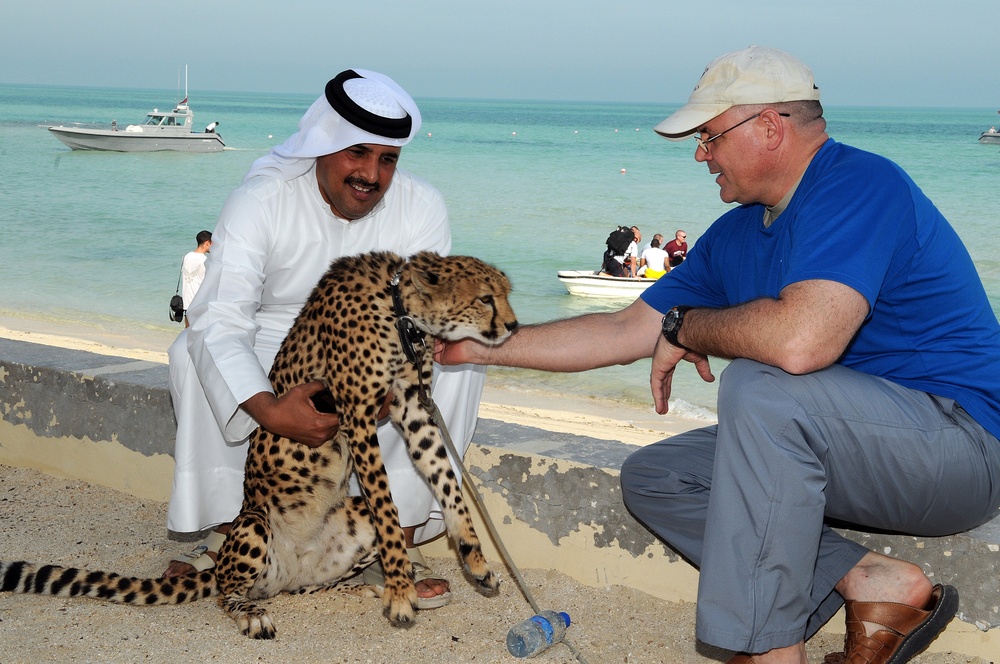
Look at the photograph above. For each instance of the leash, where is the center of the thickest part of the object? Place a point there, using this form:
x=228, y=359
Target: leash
x=410, y=337
x=428, y=402
x=409, y=334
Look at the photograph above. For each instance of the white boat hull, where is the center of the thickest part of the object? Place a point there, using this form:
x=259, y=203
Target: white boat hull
x=990, y=137
x=590, y=284
x=136, y=141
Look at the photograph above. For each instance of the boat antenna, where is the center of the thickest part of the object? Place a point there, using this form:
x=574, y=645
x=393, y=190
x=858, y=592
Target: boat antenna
x=185, y=83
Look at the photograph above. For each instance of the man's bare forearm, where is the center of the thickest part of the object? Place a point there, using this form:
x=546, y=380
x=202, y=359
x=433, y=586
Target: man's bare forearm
x=580, y=343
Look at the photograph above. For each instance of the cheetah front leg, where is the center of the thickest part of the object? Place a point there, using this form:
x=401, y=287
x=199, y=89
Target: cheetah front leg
x=400, y=594
x=430, y=456
x=242, y=561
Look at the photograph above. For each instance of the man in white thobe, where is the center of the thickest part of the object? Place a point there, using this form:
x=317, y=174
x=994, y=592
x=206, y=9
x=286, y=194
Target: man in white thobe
x=332, y=189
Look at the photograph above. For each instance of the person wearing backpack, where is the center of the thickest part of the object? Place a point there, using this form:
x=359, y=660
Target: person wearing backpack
x=621, y=255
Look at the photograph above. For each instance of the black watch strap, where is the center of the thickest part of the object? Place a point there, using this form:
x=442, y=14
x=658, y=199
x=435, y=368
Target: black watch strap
x=671, y=325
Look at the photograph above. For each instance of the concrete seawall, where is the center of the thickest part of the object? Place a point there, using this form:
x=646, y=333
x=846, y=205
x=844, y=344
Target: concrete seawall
x=554, y=497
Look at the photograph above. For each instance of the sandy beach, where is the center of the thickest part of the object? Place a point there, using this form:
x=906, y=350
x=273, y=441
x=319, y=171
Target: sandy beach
x=53, y=520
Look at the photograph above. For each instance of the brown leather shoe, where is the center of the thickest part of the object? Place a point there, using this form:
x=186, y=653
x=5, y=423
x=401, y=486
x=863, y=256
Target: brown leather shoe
x=905, y=630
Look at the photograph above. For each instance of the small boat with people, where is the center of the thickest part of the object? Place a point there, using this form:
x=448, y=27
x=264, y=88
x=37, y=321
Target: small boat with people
x=591, y=283
x=990, y=136
x=162, y=130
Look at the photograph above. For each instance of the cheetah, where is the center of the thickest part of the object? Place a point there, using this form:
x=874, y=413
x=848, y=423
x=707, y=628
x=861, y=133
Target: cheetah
x=362, y=332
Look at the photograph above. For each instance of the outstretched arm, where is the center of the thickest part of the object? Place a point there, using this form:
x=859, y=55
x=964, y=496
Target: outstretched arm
x=573, y=344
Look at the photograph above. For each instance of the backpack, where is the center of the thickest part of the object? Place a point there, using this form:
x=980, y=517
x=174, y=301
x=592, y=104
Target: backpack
x=619, y=240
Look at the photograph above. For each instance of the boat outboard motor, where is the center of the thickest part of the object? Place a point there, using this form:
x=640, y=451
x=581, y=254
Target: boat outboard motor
x=210, y=129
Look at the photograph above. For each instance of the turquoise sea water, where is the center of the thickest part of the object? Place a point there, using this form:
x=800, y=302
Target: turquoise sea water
x=533, y=187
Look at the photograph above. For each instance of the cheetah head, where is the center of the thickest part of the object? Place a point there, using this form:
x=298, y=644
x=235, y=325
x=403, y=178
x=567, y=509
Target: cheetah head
x=458, y=297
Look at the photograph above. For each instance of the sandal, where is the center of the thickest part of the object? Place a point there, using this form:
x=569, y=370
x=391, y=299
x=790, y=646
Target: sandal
x=198, y=557
x=374, y=576
x=421, y=572
x=904, y=630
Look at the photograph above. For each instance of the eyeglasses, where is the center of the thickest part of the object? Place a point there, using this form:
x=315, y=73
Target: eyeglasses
x=703, y=142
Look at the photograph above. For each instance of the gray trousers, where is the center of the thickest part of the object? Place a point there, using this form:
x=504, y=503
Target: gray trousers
x=746, y=500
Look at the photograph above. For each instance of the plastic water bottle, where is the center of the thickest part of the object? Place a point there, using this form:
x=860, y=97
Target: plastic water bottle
x=528, y=638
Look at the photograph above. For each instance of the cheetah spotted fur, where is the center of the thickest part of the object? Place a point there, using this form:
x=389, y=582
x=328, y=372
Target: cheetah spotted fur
x=298, y=529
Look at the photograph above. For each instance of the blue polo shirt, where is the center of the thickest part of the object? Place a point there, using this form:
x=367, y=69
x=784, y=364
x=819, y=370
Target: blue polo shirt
x=856, y=218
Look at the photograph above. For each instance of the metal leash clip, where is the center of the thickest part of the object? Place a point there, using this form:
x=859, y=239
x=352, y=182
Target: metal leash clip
x=410, y=336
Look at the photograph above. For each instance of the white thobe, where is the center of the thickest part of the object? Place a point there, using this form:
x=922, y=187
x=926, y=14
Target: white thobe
x=273, y=242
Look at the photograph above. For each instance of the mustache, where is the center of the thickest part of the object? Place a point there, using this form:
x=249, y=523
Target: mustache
x=374, y=186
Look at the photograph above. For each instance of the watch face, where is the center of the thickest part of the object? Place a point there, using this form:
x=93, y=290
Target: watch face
x=670, y=321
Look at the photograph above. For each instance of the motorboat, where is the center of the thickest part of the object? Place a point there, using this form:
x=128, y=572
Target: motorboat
x=990, y=137
x=595, y=284
x=161, y=131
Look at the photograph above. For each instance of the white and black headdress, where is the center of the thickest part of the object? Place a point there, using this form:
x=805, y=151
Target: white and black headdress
x=358, y=106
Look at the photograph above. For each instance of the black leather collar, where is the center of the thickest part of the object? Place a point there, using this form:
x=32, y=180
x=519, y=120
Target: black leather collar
x=409, y=335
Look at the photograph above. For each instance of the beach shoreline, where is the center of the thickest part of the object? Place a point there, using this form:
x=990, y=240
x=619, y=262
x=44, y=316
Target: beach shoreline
x=505, y=401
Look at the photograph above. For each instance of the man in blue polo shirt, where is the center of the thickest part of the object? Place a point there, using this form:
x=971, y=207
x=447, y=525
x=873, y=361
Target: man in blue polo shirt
x=864, y=386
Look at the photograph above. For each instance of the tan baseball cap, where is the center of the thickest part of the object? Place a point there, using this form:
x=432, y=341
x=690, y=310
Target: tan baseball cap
x=753, y=75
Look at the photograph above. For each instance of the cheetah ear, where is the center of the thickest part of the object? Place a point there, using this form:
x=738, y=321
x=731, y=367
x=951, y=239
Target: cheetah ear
x=425, y=280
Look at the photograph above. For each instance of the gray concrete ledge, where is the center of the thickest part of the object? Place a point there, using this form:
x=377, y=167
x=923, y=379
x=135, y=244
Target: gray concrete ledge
x=546, y=486
x=56, y=392
x=969, y=561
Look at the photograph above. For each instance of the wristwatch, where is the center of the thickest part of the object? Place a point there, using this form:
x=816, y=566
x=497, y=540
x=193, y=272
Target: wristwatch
x=672, y=325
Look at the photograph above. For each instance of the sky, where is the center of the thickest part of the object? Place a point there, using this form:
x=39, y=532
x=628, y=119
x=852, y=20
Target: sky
x=863, y=52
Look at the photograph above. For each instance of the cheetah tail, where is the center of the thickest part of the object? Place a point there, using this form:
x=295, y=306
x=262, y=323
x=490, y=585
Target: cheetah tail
x=27, y=578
